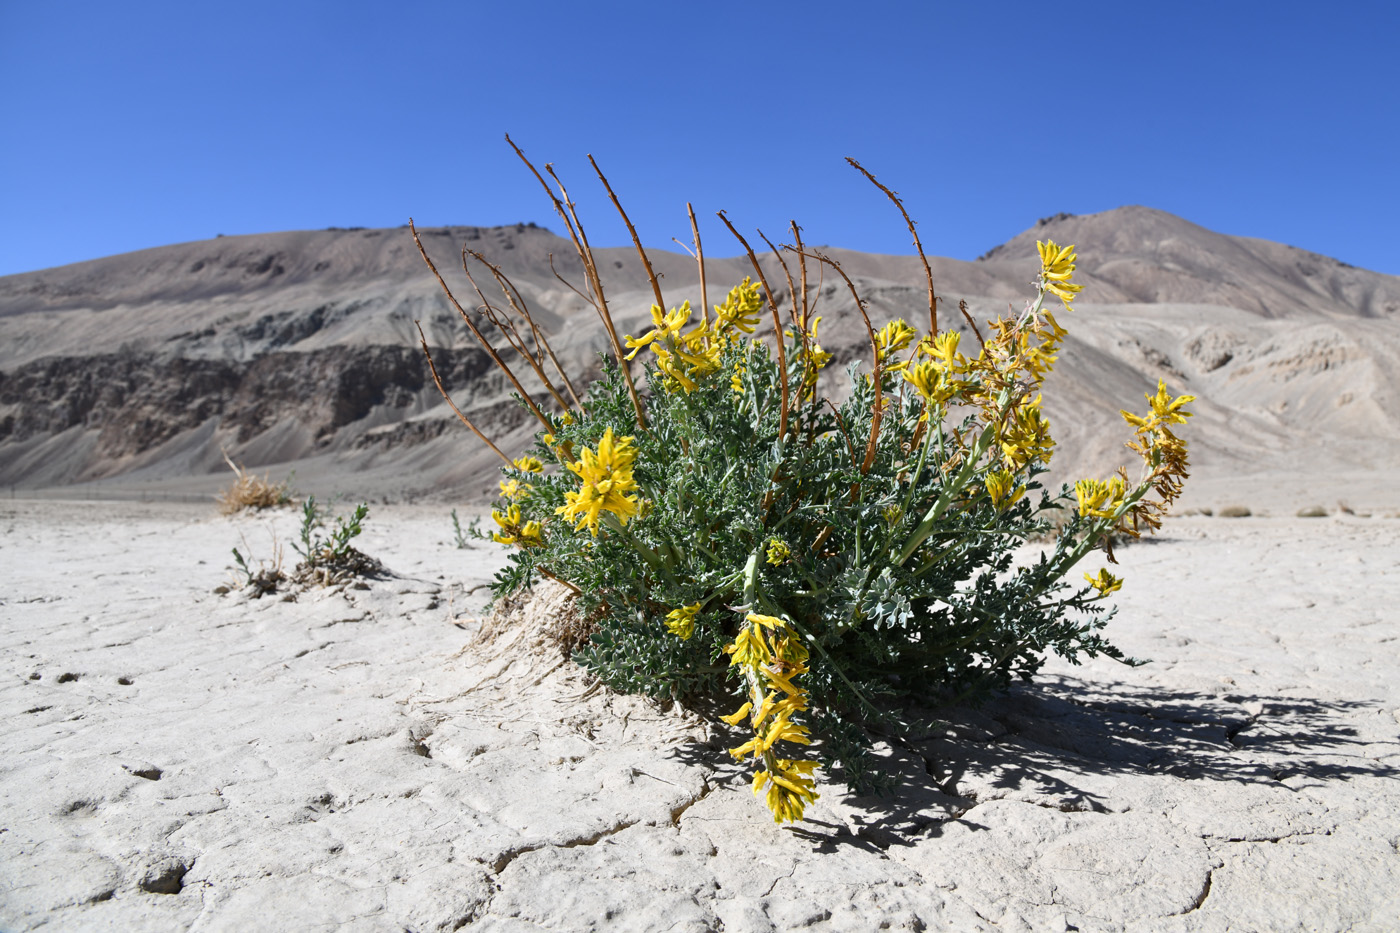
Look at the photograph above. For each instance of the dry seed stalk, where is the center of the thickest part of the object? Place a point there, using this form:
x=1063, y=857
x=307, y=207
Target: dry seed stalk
x=512, y=335
x=928, y=272
x=700, y=259
x=481, y=338
x=646, y=262
x=878, y=413
x=565, y=209
x=777, y=323
x=432, y=367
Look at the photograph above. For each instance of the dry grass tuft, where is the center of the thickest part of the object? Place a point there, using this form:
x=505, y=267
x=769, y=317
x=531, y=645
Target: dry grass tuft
x=1235, y=511
x=249, y=491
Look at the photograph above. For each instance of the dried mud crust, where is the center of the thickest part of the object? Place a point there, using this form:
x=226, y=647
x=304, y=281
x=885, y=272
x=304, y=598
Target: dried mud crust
x=380, y=759
x=544, y=619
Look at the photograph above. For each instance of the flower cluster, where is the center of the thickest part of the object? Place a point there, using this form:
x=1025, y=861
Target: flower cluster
x=606, y=484
x=769, y=654
x=841, y=553
x=686, y=356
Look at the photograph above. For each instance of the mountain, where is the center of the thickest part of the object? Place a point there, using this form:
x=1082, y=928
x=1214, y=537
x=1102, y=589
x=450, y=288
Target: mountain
x=297, y=351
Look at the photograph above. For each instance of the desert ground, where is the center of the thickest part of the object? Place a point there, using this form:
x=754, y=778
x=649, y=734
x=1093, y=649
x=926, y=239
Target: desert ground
x=377, y=757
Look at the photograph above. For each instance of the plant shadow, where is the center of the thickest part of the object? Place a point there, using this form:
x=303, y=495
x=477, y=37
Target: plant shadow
x=1066, y=743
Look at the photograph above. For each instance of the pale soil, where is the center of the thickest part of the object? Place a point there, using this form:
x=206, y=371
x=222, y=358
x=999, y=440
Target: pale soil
x=176, y=759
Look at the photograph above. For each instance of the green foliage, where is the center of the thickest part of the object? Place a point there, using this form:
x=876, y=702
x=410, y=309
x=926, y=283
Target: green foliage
x=821, y=560
x=948, y=618
x=317, y=549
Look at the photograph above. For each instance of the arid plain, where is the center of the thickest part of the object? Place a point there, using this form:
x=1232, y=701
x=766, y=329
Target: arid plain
x=375, y=757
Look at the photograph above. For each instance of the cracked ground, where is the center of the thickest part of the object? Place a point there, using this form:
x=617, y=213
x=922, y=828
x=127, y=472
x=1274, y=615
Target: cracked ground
x=367, y=758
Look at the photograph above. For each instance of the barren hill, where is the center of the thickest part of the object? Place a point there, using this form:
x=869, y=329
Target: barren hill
x=296, y=351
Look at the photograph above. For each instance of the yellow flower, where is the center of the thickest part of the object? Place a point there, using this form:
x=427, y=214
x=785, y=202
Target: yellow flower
x=528, y=465
x=1026, y=436
x=1056, y=267
x=778, y=552
x=663, y=326
x=790, y=788
x=738, y=715
x=1165, y=410
x=1105, y=582
x=514, y=489
x=1001, y=487
x=890, y=339
x=607, y=485
x=782, y=730
x=931, y=381
x=749, y=649
x=740, y=309
x=531, y=535
x=681, y=622
x=1099, y=499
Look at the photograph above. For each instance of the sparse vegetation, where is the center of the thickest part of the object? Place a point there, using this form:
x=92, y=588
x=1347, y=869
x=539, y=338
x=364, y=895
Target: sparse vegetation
x=249, y=491
x=461, y=536
x=326, y=559
x=731, y=532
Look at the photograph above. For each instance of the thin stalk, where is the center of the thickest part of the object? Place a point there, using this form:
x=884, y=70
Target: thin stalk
x=601, y=305
x=879, y=410
x=700, y=260
x=928, y=272
x=777, y=324
x=636, y=240
x=565, y=209
x=519, y=306
x=486, y=344
x=432, y=367
x=508, y=330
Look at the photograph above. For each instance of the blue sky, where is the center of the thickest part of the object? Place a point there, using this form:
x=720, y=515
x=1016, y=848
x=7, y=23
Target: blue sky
x=140, y=124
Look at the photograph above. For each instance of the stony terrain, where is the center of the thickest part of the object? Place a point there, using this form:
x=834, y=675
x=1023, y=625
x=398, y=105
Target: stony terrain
x=297, y=352
x=369, y=758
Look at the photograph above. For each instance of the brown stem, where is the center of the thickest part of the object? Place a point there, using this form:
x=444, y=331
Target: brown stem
x=423, y=341
x=486, y=344
x=576, y=590
x=879, y=411
x=565, y=282
x=699, y=258
x=787, y=274
x=518, y=305
x=590, y=266
x=777, y=323
x=636, y=240
x=797, y=325
x=962, y=306
x=565, y=209
x=797, y=237
x=928, y=273
x=504, y=326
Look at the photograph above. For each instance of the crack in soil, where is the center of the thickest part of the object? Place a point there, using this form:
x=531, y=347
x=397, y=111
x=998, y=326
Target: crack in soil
x=511, y=855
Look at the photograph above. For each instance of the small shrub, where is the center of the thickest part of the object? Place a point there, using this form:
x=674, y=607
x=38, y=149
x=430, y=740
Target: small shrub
x=461, y=536
x=1235, y=511
x=263, y=578
x=330, y=558
x=1312, y=511
x=249, y=491
x=818, y=560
